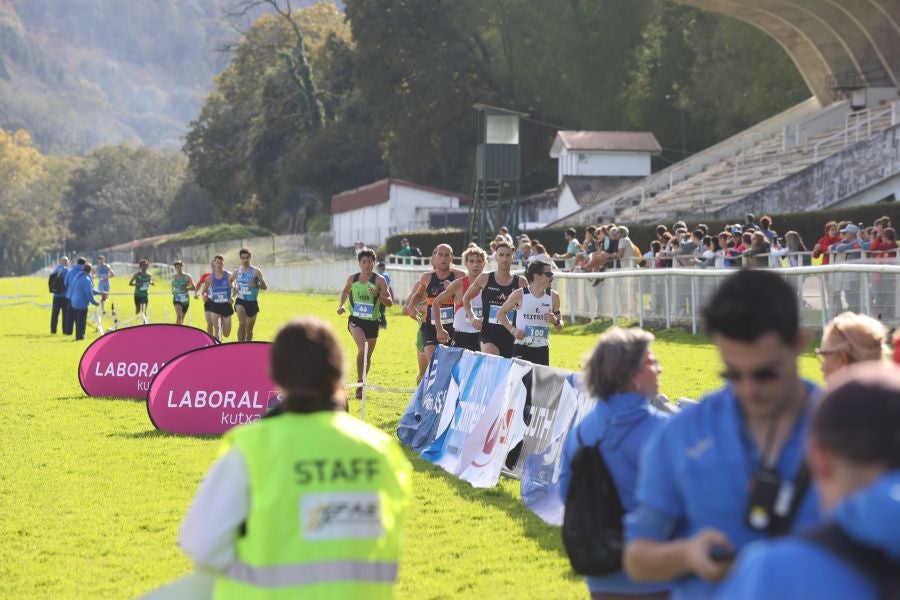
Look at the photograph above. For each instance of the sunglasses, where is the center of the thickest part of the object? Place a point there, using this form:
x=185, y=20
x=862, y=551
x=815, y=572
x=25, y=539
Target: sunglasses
x=761, y=375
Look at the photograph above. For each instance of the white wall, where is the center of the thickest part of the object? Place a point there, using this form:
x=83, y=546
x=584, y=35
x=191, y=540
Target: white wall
x=406, y=209
x=567, y=204
x=611, y=164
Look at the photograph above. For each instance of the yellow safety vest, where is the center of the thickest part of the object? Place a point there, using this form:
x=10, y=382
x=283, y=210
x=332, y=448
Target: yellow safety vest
x=327, y=500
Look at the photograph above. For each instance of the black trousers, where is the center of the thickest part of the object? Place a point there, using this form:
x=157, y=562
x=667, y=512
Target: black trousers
x=60, y=304
x=68, y=318
x=79, y=316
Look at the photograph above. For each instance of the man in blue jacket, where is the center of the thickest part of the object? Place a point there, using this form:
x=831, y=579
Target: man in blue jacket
x=68, y=316
x=60, y=302
x=728, y=471
x=854, y=455
x=82, y=295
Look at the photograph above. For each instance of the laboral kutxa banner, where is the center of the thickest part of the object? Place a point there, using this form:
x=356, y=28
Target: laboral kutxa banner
x=210, y=390
x=122, y=363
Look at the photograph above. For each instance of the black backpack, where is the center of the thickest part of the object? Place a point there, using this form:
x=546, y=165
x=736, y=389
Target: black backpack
x=592, y=525
x=870, y=562
x=57, y=282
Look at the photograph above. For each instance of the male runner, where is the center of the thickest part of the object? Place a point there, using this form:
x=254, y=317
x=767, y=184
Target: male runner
x=536, y=307
x=429, y=287
x=210, y=321
x=104, y=272
x=494, y=288
x=141, y=281
x=464, y=334
x=368, y=292
x=248, y=280
x=219, y=290
x=182, y=284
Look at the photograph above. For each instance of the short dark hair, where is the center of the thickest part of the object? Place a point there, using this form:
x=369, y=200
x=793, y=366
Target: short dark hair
x=87, y=268
x=81, y=260
x=536, y=268
x=571, y=232
x=244, y=251
x=218, y=256
x=752, y=303
x=765, y=221
x=859, y=417
x=306, y=361
x=365, y=252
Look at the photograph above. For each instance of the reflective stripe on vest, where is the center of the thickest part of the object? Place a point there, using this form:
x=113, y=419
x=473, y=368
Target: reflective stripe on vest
x=314, y=573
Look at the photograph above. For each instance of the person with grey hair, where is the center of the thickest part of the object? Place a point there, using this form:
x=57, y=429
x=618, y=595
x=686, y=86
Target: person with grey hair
x=628, y=258
x=623, y=375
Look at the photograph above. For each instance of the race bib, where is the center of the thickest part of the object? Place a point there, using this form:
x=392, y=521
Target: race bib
x=243, y=289
x=220, y=296
x=536, y=335
x=181, y=298
x=145, y=287
x=495, y=310
x=477, y=312
x=446, y=315
x=362, y=310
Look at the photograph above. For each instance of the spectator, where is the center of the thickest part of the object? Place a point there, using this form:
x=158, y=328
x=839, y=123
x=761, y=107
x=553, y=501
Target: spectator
x=60, y=302
x=765, y=227
x=690, y=250
x=405, y=248
x=310, y=502
x=793, y=249
x=883, y=295
x=589, y=246
x=650, y=256
x=847, y=250
x=850, y=338
x=358, y=247
x=879, y=242
x=749, y=222
x=538, y=252
x=866, y=234
x=854, y=456
x=83, y=293
x=661, y=231
x=757, y=253
x=622, y=375
x=704, y=228
x=628, y=258
x=692, y=492
x=504, y=233
x=572, y=248
x=74, y=271
x=708, y=255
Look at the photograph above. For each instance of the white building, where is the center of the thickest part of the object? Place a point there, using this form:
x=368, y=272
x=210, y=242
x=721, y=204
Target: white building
x=373, y=212
x=594, y=165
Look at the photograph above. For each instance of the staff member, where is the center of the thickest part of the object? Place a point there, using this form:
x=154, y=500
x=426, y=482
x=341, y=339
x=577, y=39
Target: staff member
x=306, y=504
x=854, y=455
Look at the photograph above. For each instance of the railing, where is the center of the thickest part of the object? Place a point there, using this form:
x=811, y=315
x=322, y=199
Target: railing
x=860, y=118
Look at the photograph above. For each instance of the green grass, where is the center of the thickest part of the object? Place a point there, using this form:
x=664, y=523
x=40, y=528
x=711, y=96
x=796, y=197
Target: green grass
x=92, y=494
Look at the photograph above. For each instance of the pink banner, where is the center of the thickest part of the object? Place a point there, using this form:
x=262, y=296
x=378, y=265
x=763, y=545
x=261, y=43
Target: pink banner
x=122, y=363
x=210, y=390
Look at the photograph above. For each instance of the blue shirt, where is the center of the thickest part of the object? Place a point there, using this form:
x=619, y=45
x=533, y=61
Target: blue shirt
x=82, y=292
x=65, y=273
x=799, y=569
x=624, y=422
x=73, y=271
x=695, y=473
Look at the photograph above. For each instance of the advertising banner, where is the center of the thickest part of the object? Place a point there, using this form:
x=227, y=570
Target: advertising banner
x=123, y=362
x=210, y=390
x=539, y=486
x=500, y=428
x=545, y=386
x=419, y=424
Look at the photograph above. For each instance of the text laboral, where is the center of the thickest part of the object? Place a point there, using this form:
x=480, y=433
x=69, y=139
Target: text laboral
x=214, y=399
x=127, y=369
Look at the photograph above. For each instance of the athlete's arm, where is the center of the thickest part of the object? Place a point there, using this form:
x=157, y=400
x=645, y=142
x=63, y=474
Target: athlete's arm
x=190, y=284
x=522, y=282
x=554, y=306
x=384, y=292
x=474, y=289
x=448, y=295
x=133, y=279
x=514, y=301
x=415, y=297
x=261, y=281
x=344, y=293
x=111, y=273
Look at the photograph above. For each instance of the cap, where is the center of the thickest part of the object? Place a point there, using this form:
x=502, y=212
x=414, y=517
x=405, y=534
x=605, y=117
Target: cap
x=850, y=228
x=736, y=231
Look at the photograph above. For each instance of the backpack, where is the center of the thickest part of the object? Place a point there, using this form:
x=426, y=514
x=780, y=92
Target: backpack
x=57, y=282
x=592, y=524
x=874, y=564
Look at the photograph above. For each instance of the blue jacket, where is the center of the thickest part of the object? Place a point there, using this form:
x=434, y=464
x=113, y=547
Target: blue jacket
x=797, y=568
x=65, y=273
x=82, y=292
x=623, y=422
x=73, y=271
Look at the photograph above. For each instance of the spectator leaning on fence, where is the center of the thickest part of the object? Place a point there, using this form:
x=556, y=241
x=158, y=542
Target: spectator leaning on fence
x=825, y=242
x=854, y=456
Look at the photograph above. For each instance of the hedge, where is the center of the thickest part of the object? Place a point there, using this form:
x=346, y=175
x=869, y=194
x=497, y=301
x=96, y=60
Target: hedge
x=809, y=225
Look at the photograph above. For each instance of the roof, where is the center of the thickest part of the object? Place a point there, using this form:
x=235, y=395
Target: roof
x=605, y=141
x=591, y=190
x=379, y=192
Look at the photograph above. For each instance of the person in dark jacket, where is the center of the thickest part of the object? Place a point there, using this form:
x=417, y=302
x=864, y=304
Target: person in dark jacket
x=60, y=302
x=69, y=316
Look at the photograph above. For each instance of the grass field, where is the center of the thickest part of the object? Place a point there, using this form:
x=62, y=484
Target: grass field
x=92, y=494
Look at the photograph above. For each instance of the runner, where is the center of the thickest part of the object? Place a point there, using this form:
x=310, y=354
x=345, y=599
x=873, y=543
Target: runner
x=210, y=317
x=141, y=281
x=429, y=287
x=182, y=284
x=218, y=289
x=464, y=334
x=104, y=272
x=248, y=280
x=381, y=269
x=536, y=306
x=368, y=292
x=494, y=288
x=416, y=314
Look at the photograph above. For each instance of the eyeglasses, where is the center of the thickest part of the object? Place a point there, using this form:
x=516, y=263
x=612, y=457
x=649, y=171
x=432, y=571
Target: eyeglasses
x=761, y=375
